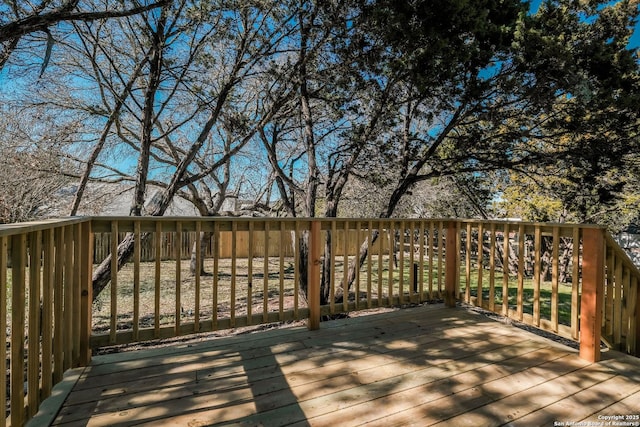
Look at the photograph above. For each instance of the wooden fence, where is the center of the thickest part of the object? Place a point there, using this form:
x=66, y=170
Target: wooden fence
x=102, y=245
x=572, y=280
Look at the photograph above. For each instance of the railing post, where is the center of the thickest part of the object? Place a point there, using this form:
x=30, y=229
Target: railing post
x=451, y=264
x=313, y=276
x=86, y=291
x=592, y=293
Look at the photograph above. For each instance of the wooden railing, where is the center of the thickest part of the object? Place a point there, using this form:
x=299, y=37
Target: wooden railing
x=621, y=308
x=45, y=292
x=533, y=273
x=571, y=280
x=528, y=272
x=257, y=283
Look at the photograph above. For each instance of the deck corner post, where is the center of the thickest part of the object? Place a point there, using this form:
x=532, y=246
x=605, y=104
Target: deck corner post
x=451, y=264
x=86, y=291
x=313, y=276
x=593, y=248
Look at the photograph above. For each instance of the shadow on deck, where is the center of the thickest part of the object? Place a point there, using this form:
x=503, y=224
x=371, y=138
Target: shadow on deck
x=420, y=366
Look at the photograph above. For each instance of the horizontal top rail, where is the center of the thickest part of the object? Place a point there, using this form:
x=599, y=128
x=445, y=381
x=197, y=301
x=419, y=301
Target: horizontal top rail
x=148, y=224
x=28, y=227
x=103, y=222
x=622, y=255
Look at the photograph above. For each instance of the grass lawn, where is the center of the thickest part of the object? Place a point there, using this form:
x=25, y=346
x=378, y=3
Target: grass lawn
x=564, y=294
x=236, y=288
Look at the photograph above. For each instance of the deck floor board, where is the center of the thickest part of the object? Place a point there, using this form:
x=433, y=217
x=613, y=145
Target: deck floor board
x=419, y=366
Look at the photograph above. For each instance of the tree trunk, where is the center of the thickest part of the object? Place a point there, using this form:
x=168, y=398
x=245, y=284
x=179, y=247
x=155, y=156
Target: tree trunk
x=102, y=273
x=564, y=261
x=148, y=116
x=303, y=262
x=327, y=273
x=203, y=240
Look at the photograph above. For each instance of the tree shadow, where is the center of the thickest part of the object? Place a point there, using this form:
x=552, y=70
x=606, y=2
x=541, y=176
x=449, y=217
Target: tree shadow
x=385, y=368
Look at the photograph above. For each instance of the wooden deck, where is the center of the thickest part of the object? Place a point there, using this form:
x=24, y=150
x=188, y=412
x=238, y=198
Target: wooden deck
x=420, y=366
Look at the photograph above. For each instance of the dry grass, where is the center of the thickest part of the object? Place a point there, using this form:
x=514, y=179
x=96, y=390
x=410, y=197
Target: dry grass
x=231, y=292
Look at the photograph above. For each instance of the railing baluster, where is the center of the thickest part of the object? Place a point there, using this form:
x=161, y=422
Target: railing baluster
x=452, y=267
x=77, y=302
x=505, y=271
x=177, y=252
x=332, y=267
x=281, y=241
x=430, y=249
x=18, y=285
x=467, y=266
x=458, y=259
x=345, y=267
x=198, y=270
x=492, y=267
x=296, y=270
x=3, y=324
x=114, y=282
x=608, y=304
x=617, y=303
x=625, y=303
x=265, y=289
x=401, y=243
x=313, y=275
x=421, y=261
x=441, y=256
x=157, y=279
x=234, y=265
x=33, y=367
x=136, y=280
x=480, y=262
x=58, y=313
x=380, y=259
x=69, y=278
x=369, y=261
x=86, y=292
x=392, y=255
x=357, y=264
x=520, y=298
x=215, y=283
x=412, y=277
x=633, y=337
x=537, y=271
x=555, y=259
x=250, y=275
x=575, y=285
x=47, y=310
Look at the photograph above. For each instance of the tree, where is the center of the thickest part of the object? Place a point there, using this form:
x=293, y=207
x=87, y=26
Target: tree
x=497, y=105
x=252, y=36
x=591, y=130
x=21, y=18
x=30, y=188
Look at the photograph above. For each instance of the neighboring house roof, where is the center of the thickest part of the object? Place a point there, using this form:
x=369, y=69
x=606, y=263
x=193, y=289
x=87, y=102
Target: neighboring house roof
x=114, y=200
